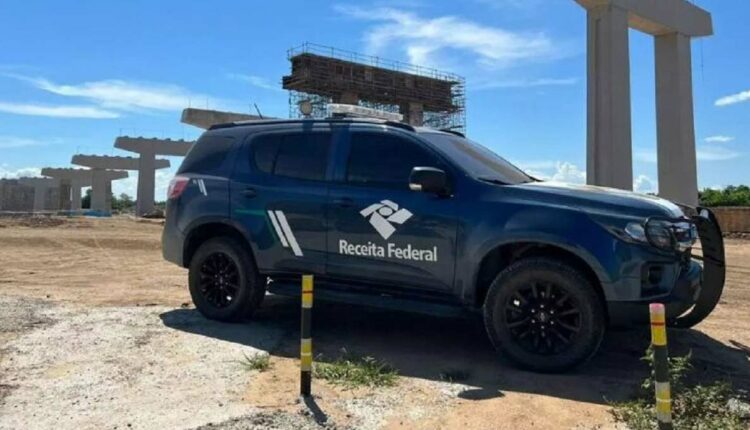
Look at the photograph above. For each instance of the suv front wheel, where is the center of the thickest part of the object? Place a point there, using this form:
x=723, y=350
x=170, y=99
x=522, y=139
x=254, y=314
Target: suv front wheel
x=544, y=315
x=224, y=283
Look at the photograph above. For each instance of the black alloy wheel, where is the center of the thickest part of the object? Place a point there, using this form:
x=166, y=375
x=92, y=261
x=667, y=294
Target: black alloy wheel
x=223, y=280
x=543, y=318
x=219, y=280
x=544, y=315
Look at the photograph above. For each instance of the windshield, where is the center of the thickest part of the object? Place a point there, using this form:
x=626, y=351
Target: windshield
x=477, y=160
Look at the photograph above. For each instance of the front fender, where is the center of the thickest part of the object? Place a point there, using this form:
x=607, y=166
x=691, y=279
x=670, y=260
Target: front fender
x=563, y=228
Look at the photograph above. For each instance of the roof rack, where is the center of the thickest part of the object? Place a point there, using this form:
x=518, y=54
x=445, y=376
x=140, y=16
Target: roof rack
x=448, y=130
x=397, y=124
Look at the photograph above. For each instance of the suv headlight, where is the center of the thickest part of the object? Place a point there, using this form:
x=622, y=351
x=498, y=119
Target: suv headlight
x=665, y=234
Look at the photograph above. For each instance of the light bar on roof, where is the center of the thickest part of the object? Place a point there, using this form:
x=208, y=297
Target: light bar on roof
x=338, y=109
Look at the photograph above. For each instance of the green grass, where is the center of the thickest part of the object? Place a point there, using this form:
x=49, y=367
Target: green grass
x=355, y=371
x=700, y=406
x=259, y=362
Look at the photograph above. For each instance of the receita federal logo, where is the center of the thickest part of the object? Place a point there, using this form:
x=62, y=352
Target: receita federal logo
x=384, y=215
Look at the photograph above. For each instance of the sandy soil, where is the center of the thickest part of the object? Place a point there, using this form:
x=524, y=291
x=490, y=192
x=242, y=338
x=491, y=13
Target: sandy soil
x=96, y=331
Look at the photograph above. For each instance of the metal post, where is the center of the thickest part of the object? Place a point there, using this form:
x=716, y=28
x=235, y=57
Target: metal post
x=661, y=366
x=306, y=336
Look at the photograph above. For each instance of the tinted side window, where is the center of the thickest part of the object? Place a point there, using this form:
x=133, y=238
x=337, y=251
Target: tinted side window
x=265, y=149
x=380, y=159
x=207, y=155
x=301, y=156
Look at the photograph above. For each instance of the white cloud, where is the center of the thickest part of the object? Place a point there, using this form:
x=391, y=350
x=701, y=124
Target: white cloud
x=423, y=38
x=23, y=172
x=644, y=184
x=558, y=171
x=9, y=142
x=733, y=99
x=256, y=81
x=703, y=153
x=536, y=165
x=719, y=139
x=121, y=95
x=57, y=111
x=569, y=172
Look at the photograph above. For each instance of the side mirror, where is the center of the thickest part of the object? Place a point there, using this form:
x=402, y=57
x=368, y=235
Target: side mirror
x=428, y=180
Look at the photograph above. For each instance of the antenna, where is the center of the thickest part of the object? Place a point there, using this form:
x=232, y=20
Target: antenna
x=258, y=110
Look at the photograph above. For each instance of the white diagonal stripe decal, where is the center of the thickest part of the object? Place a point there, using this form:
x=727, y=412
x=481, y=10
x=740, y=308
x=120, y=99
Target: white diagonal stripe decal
x=289, y=234
x=279, y=233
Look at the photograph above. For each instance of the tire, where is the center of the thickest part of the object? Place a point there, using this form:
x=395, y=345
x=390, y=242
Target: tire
x=544, y=315
x=223, y=281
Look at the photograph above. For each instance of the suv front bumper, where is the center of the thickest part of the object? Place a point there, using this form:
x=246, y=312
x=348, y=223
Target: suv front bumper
x=684, y=294
x=697, y=290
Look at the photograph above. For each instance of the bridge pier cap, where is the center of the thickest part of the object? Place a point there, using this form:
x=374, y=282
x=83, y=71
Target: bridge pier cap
x=661, y=16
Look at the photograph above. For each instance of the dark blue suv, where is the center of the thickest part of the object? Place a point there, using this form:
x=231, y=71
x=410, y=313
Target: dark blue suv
x=424, y=220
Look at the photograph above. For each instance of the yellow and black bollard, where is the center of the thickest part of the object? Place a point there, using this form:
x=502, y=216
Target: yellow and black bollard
x=661, y=366
x=305, y=354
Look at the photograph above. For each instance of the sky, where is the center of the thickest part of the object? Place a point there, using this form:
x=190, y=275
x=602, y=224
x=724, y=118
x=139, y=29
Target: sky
x=75, y=75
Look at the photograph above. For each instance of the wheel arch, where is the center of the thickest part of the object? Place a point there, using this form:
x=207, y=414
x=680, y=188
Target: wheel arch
x=209, y=229
x=505, y=254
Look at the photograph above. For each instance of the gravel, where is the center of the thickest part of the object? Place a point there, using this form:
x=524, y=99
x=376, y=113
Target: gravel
x=270, y=421
x=133, y=367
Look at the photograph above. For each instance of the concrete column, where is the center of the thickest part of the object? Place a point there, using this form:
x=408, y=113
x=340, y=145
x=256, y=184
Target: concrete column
x=678, y=176
x=413, y=113
x=75, y=195
x=100, y=187
x=40, y=196
x=41, y=189
x=64, y=194
x=146, y=183
x=609, y=150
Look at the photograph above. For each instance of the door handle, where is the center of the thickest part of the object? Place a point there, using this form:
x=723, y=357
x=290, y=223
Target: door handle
x=249, y=193
x=344, y=202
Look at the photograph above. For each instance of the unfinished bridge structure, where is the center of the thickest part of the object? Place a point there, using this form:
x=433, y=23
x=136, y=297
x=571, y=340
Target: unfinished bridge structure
x=424, y=96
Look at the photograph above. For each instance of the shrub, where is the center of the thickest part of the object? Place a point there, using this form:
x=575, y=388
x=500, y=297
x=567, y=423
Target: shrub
x=353, y=371
x=700, y=406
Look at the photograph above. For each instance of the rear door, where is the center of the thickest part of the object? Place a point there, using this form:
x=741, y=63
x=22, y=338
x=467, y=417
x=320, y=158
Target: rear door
x=279, y=193
x=380, y=230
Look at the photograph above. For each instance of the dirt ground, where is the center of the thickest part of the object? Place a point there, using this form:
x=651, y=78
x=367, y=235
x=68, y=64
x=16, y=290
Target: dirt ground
x=97, y=331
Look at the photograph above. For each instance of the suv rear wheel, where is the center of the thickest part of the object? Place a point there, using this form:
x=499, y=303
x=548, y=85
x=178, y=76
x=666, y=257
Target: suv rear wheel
x=223, y=281
x=544, y=315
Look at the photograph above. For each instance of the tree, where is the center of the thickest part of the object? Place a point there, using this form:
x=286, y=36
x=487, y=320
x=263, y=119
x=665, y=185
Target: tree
x=729, y=196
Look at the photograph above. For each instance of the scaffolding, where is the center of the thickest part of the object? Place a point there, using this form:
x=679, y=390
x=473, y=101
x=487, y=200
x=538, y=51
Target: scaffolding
x=323, y=75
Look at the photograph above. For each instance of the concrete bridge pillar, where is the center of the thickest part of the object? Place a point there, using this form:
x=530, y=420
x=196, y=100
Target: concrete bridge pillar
x=146, y=182
x=75, y=194
x=678, y=171
x=610, y=158
x=41, y=188
x=101, y=189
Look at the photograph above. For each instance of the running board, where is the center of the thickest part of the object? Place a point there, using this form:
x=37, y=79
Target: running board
x=381, y=301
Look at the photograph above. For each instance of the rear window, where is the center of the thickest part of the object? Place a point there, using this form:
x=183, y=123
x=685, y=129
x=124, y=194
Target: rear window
x=299, y=156
x=207, y=155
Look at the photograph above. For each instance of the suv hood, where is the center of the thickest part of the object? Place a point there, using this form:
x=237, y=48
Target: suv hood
x=604, y=199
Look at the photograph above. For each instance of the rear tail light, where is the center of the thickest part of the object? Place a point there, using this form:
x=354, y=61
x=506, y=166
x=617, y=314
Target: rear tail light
x=177, y=186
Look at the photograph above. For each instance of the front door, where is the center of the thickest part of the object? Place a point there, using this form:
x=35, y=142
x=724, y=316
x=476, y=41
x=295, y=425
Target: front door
x=379, y=230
